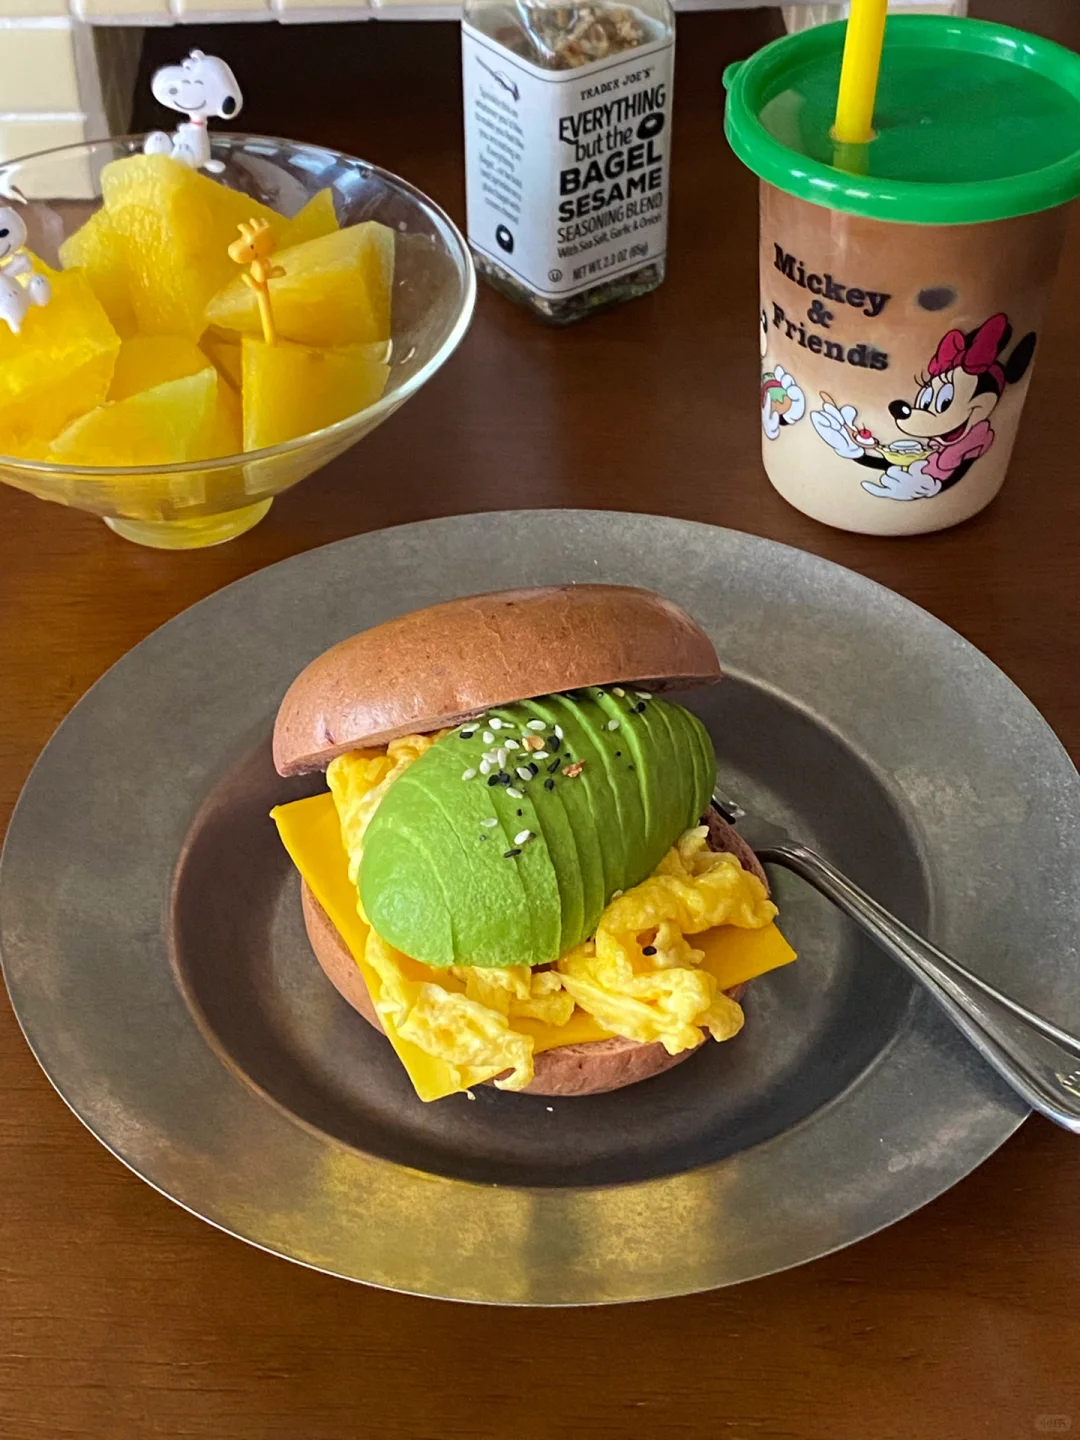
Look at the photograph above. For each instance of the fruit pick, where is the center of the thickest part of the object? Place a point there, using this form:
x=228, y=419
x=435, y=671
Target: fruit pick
x=858, y=80
x=254, y=248
x=201, y=86
x=15, y=298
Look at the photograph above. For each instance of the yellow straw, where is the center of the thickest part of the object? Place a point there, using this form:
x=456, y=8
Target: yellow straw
x=859, y=74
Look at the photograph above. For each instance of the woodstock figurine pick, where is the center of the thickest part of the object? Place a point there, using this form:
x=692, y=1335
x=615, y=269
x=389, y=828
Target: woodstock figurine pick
x=16, y=298
x=201, y=87
x=254, y=248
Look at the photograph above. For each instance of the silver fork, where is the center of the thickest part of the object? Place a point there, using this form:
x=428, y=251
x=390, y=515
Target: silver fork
x=1037, y=1058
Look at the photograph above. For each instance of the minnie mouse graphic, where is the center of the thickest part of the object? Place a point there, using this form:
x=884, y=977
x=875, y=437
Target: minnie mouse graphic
x=946, y=428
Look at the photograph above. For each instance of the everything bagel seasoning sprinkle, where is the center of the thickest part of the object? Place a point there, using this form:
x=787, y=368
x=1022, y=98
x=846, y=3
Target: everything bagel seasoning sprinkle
x=524, y=773
x=648, y=949
x=495, y=722
x=540, y=755
x=523, y=837
x=574, y=770
x=613, y=724
x=509, y=854
x=514, y=792
x=538, y=725
x=485, y=768
x=533, y=742
x=491, y=820
x=468, y=774
x=549, y=784
x=553, y=766
x=513, y=744
x=618, y=690
x=488, y=738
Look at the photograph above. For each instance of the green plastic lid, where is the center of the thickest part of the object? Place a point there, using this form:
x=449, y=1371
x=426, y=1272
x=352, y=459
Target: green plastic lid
x=973, y=122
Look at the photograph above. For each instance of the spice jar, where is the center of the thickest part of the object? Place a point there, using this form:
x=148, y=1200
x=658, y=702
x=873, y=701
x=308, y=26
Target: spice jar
x=567, y=134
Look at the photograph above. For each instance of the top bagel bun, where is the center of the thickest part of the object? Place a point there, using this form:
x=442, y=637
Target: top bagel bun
x=436, y=667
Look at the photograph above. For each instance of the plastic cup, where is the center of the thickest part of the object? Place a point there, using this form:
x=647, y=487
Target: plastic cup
x=904, y=283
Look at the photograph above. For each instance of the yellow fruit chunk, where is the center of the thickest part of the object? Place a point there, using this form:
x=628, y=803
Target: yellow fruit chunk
x=173, y=422
x=226, y=432
x=223, y=348
x=149, y=360
x=335, y=290
x=316, y=219
x=176, y=226
x=99, y=252
x=291, y=390
x=59, y=366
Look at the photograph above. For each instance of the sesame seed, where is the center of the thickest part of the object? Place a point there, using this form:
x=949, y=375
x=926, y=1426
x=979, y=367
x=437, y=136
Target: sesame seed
x=613, y=724
x=554, y=743
x=488, y=738
x=618, y=754
x=468, y=774
x=466, y=734
x=639, y=708
x=521, y=812
x=502, y=754
x=553, y=766
x=648, y=950
x=643, y=694
x=512, y=744
x=491, y=820
x=515, y=793
x=550, y=1109
x=495, y=722
x=618, y=690
x=536, y=724
x=523, y=837
x=485, y=766
x=558, y=732
x=481, y=837
x=615, y=894
x=524, y=773
x=509, y=854
x=549, y=784
x=540, y=755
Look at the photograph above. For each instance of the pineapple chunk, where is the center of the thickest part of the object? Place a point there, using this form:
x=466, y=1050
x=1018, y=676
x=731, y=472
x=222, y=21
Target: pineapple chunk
x=174, y=422
x=335, y=290
x=146, y=361
x=57, y=368
x=97, y=250
x=176, y=226
x=316, y=219
x=223, y=348
x=291, y=390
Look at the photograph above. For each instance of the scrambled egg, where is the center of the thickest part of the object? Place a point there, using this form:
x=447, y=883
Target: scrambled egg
x=639, y=977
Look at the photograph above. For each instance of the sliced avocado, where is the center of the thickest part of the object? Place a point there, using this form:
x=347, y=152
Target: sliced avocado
x=404, y=898
x=670, y=766
x=500, y=915
x=582, y=729
x=545, y=814
x=577, y=806
x=706, y=776
x=623, y=760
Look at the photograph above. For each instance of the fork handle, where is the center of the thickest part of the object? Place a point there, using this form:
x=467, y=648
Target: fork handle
x=1038, y=1059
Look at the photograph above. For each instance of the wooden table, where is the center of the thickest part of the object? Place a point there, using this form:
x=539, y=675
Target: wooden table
x=121, y=1315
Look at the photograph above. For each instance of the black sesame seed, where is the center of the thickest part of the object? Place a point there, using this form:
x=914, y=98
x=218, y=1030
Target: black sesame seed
x=481, y=837
x=639, y=708
x=629, y=767
x=553, y=766
x=535, y=769
x=509, y=854
x=648, y=950
x=493, y=779
x=618, y=754
x=521, y=812
x=549, y=784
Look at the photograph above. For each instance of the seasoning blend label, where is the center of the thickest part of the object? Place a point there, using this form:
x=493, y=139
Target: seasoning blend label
x=567, y=170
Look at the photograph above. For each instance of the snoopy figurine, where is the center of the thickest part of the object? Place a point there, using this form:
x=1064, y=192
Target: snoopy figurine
x=200, y=87
x=16, y=299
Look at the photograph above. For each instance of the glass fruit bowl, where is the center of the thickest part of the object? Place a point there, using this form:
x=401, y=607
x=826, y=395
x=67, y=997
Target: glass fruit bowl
x=197, y=503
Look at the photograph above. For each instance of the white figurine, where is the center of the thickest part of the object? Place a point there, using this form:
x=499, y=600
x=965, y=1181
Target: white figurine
x=200, y=87
x=16, y=299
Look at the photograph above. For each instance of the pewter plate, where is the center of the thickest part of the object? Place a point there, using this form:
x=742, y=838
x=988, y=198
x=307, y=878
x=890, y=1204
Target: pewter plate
x=154, y=951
